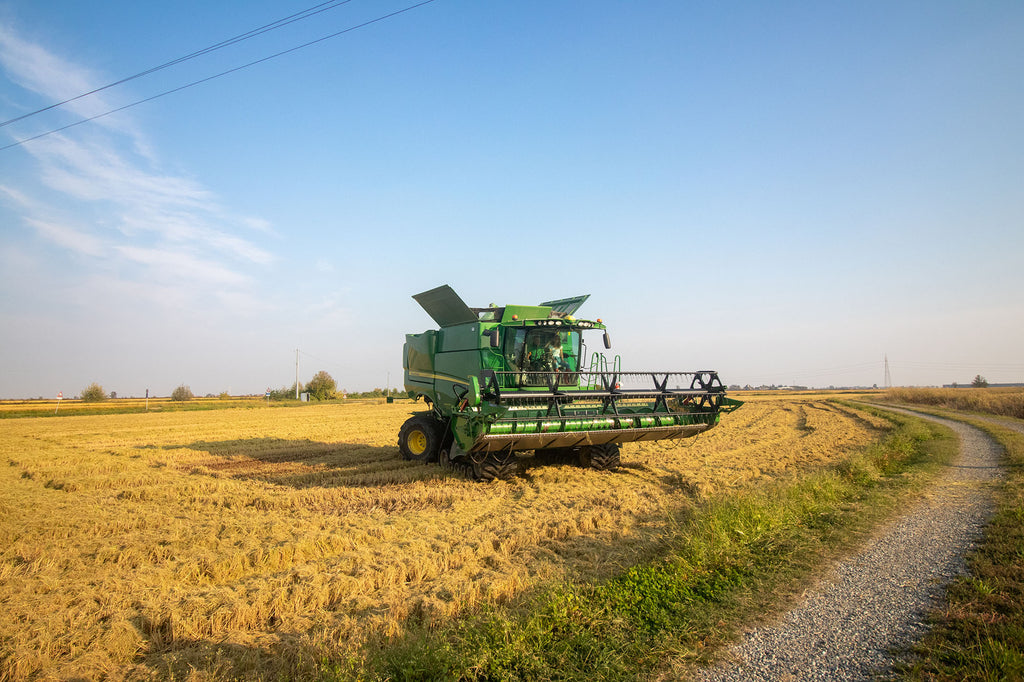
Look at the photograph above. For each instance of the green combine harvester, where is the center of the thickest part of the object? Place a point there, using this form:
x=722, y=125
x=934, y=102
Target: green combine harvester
x=503, y=381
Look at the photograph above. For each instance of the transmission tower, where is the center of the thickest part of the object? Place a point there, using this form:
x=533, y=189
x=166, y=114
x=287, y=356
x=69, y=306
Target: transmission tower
x=888, y=377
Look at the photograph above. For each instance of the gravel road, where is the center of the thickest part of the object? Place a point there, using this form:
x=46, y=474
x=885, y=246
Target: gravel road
x=850, y=622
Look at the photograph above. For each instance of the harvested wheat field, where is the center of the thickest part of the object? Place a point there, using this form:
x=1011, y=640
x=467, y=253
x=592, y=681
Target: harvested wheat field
x=261, y=542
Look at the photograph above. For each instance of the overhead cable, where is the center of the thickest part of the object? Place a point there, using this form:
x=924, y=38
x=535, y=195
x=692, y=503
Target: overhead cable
x=218, y=75
x=298, y=16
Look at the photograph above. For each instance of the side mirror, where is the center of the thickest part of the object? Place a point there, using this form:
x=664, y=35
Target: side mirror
x=495, y=338
x=607, y=340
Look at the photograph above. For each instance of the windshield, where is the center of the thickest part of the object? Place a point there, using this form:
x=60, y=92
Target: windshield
x=536, y=349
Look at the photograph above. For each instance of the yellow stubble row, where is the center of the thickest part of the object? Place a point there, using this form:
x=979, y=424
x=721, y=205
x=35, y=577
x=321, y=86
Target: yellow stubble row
x=251, y=540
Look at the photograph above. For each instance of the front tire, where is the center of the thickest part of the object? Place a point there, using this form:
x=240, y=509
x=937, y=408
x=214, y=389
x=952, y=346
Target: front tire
x=604, y=457
x=492, y=467
x=419, y=439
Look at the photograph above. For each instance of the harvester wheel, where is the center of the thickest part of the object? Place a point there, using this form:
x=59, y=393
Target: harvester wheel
x=461, y=466
x=604, y=457
x=556, y=456
x=495, y=466
x=419, y=439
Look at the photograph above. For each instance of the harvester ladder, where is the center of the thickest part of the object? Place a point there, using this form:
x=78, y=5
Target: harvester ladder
x=599, y=366
x=598, y=363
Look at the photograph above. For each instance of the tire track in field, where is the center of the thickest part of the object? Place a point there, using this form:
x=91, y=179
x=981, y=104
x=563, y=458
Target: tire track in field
x=874, y=603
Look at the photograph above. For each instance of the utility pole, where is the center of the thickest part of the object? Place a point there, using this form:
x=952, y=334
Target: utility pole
x=888, y=377
x=296, y=373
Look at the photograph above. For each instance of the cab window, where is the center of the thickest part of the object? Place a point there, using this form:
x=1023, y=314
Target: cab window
x=538, y=349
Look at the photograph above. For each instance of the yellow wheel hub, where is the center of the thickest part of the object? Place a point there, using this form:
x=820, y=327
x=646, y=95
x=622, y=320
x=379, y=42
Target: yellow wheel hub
x=417, y=442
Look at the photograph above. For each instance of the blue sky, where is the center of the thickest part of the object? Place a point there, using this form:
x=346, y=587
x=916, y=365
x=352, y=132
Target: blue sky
x=785, y=192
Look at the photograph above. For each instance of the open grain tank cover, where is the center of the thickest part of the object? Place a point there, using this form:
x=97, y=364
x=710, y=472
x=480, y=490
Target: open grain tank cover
x=445, y=306
x=567, y=306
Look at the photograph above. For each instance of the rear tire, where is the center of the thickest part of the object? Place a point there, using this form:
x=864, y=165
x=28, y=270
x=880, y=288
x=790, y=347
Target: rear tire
x=604, y=457
x=419, y=439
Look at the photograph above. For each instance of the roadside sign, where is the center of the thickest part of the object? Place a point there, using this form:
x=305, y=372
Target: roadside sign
x=60, y=397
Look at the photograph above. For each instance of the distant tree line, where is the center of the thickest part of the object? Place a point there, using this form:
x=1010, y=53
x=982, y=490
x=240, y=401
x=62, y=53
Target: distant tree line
x=380, y=393
x=321, y=387
x=94, y=393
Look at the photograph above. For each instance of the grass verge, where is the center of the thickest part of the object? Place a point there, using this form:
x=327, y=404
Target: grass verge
x=720, y=562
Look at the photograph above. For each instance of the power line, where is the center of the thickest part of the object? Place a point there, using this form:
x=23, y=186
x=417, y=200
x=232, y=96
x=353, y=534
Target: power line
x=810, y=373
x=330, y=363
x=298, y=16
x=961, y=365
x=218, y=75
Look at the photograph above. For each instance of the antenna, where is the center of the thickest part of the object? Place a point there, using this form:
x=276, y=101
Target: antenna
x=888, y=377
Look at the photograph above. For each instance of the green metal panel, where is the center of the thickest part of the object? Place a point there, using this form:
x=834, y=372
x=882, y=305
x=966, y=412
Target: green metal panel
x=567, y=306
x=418, y=362
x=459, y=337
x=445, y=306
x=419, y=355
x=525, y=312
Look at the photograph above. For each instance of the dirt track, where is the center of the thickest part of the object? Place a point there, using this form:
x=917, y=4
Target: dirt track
x=848, y=625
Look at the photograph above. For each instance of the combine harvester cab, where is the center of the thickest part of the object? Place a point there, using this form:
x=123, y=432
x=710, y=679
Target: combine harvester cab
x=503, y=381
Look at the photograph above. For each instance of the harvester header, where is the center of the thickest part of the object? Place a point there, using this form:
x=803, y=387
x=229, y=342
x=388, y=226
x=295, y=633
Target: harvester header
x=502, y=381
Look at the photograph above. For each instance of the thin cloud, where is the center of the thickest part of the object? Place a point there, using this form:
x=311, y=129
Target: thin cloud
x=69, y=238
x=173, y=208
x=39, y=70
x=165, y=227
x=96, y=170
x=181, y=265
